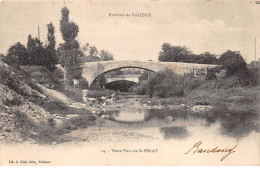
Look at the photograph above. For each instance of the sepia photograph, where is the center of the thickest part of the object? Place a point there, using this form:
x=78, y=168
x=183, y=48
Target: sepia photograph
x=129, y=83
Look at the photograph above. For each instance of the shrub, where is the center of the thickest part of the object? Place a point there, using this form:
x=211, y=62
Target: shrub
x=211, y=73
x=83, y=83
x=4, y=75
x=254, y=76
x=58, y=74
x=233, y=62
x=140, y=88
x=17, y=54
x=166, y=84
x=7, y=79
x=23, y=123
x=13, y=102
x=100, y=93
x=193, y=83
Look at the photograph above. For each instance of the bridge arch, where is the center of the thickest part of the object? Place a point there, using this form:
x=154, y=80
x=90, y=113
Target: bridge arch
x=120, y=85
x=119, y=68
x=91, y=70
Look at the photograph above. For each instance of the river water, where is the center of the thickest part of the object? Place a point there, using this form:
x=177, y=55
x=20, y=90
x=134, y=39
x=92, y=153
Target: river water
x=172, y=133
x=170, y=124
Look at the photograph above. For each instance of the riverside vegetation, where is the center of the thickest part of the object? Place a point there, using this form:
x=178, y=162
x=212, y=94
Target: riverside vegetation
x=226, y=94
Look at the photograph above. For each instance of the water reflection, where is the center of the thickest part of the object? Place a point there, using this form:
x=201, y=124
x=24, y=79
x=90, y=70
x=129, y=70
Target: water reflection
x=175, y=124
x=174, y=132
x=128, y=115
x=239, y=125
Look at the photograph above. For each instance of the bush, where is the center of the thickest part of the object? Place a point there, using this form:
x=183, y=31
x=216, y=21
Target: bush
x=140, y=88
x=23, y=123
x=6, y=78
x=100, y=93
x=254, y=76
x=166, y=84
x=58, y=74
x=4, y=75
x=233, y=62
x=192, y=84
x=211, y=73
x=17, y=55
x=83, y=83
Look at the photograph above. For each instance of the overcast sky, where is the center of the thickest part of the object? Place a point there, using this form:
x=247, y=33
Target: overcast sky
x=202, y=25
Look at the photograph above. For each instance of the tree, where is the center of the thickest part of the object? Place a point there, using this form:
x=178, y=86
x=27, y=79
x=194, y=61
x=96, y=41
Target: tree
x=85, y=48
x=31, y=48
x=105, y=55
x=171, y=53
x=233, y=62
x=72, y=63
x=144, y=76
x=41, y=53
x=17, y=54
x=93, y=55
x=254, y=64
x=36, y=51
x=51, y=56
x=69, y=30
x=69, y=50
x=2, y=57
x=207, y=58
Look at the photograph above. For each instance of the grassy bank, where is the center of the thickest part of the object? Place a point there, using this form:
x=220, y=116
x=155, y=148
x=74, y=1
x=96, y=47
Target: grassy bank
x=54, y=81
x=224, y=94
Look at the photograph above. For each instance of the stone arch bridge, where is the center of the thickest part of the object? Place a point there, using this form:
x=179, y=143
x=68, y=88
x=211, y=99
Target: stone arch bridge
x=91, y=70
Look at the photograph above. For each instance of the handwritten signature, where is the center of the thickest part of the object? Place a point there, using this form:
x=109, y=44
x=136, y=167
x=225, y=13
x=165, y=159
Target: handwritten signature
x=196, y=149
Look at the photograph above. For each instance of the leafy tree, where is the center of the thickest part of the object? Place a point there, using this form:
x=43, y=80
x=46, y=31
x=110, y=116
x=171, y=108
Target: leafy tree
x=254, y=64
x=85, y=48
x=233, y=62
x=41, y=56
x=205, y=58
x=2, y=57
x=208, y=58
x=72, y=63
x=171, y=53
x=36, y=51
x=51, y=36
x=144, y=76
x=93, y=55
x=105, y=55
x=165, y=55
x=31, y=48
x=17, y=54
x=70, y=54
x=69, y=30
x=51, y=56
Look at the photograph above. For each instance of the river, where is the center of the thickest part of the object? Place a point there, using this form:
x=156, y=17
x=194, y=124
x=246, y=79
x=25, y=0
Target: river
x=171, y=131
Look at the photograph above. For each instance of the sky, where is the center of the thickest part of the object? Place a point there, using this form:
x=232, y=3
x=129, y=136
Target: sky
x=213, y=26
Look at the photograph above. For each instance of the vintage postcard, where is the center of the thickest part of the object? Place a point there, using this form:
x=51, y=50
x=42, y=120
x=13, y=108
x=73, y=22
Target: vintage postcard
x=129, y=82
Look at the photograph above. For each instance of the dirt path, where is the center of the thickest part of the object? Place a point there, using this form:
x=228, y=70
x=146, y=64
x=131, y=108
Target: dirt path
x=59, y=96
